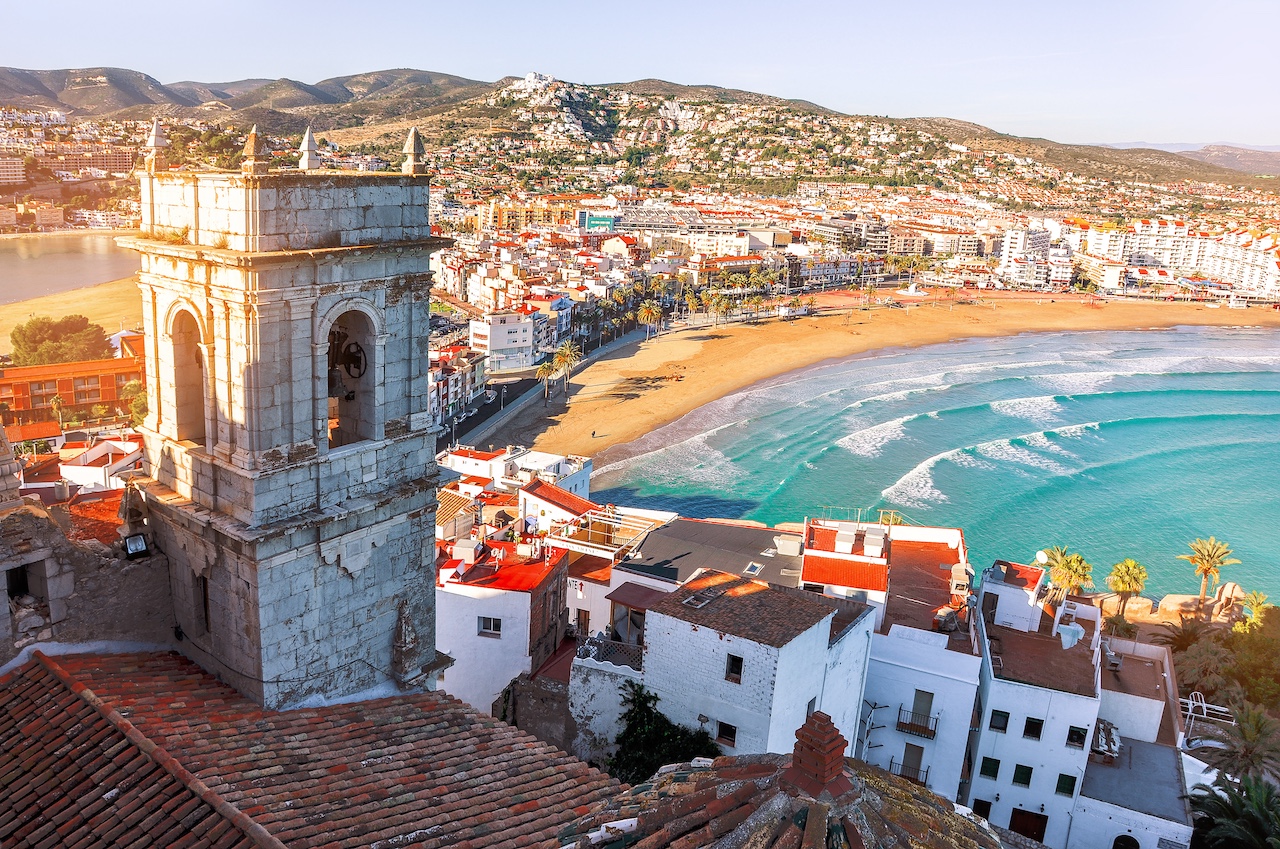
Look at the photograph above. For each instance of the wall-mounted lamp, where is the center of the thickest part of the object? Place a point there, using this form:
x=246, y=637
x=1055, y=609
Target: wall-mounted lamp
x=1042, y=807
x=997, y=797
x=703, y=719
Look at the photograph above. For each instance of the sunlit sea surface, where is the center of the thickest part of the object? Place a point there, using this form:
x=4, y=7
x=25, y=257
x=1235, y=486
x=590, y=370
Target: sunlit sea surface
x=45, y=265
x=1116, y=444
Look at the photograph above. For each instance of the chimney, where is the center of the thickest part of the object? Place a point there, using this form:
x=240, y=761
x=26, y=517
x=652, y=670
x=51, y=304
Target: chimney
x=817, y=762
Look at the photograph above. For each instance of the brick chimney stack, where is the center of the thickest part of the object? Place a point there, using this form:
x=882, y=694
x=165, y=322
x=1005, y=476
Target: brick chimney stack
x=817, y=762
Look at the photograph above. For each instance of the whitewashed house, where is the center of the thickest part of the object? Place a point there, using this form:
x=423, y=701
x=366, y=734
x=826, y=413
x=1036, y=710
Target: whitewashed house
x=744, y=659
x=500, y=612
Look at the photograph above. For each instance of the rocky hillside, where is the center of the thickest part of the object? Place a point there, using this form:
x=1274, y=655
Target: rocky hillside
x=1239, y=159
x=653, y=123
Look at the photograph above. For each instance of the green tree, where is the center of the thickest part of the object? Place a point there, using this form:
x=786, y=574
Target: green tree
x=546, y=370
x=1250, y=748
x=566, y=357
x=57, y=405
x=135, y=393
x=43, y=340
x=1128, y=578
x=1208, y=556
x=1068, y=570
x=1184, y=635
x=1256, y=603
x=1237, y=816
x=649, y=740
x=650, y=315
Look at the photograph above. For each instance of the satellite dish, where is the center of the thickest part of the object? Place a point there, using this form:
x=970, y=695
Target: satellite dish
x=1041, y=557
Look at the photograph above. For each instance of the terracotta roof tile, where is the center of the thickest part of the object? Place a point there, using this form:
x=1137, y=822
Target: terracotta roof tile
x=754, y=610
x=419, y=770
x=558, y=497
x=754, y=801
x=77, y=774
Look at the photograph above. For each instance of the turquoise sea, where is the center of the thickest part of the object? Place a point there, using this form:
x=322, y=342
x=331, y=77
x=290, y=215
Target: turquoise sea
x=1116, y=444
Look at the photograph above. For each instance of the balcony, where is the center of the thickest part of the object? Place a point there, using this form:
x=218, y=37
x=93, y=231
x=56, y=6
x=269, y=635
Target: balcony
x=917, y=724
x=611, y=651
x=911, y=773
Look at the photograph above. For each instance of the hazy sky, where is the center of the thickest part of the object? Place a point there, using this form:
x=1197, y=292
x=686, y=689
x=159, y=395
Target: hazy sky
x=1083, y=71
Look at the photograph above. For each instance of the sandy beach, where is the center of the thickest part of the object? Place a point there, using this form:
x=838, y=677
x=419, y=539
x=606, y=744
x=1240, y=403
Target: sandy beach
x=113, y=305
x=54, y=234
x=647, y=384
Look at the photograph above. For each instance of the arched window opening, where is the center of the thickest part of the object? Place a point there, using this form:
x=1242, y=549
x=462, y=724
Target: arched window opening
x=1125, y=841
x=351, y=380
x=188, y=379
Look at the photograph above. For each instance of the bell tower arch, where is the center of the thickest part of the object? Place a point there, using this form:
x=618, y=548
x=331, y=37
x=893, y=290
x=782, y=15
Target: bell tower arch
x=291, y=475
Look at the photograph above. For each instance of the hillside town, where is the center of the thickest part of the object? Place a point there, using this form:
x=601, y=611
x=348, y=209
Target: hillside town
x=353, y=619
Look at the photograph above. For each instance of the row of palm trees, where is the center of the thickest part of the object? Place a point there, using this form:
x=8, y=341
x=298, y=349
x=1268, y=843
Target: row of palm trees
x=1070, y=571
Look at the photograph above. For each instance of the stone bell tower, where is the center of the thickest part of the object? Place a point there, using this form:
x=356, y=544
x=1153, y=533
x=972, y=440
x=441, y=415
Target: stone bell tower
x=291, y=478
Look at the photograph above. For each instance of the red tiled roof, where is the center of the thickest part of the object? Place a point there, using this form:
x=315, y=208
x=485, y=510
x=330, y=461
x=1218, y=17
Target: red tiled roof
x=503, y=569
x=36, y=430
x=844, y=573
x=77, y=773
x=557, y=497
x=473, y=454
x=420, y=770
x=96, y=517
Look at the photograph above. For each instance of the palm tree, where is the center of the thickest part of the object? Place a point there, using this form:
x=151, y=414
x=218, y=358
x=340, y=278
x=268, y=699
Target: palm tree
x=1250, y=748
x=650, y=316
x=692, y=302
x=57, y=404
x=545, y=372
x=566, y=357
x=1070, y=571
x=1208, y=556
x=1184, y=635
x=1243, y=816
x=1256, y=603
x=1128, y=578
x=756, y=302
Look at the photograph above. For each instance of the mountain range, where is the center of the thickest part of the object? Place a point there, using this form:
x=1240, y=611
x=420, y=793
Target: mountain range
x=388, y=99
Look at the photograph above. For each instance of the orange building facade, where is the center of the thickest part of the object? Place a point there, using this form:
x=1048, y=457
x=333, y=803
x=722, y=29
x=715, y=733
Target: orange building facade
x=28, y=392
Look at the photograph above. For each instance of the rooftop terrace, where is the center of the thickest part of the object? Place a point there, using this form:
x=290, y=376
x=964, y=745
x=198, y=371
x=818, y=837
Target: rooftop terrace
x=1040, y=660
x=1146, y=777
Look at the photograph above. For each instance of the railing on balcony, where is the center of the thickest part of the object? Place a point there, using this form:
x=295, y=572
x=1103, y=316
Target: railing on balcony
x=919, y=724
x=611, y=651
x=911, y=773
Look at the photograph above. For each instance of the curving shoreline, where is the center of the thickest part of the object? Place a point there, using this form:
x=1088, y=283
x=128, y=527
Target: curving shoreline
x=646, y=385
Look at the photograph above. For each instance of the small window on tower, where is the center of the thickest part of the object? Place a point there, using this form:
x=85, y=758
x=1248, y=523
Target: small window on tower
x=489, y=626
x=726, y=734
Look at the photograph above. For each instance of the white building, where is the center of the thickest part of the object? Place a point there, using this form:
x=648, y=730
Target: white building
x=509, y=339
x=100, y=466
x=12, y=171
x=1020, y=242
x=500, y=612
x=1064, y=713
x=515, y=466
x=750, y=661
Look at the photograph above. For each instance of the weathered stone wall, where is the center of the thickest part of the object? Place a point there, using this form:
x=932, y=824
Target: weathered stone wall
x=539, y=706
x=292, y=543
x=595, y=708
x=285, y=211
x=78, y=592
